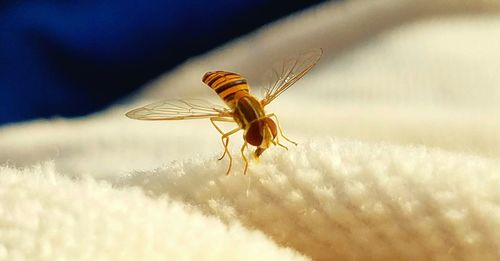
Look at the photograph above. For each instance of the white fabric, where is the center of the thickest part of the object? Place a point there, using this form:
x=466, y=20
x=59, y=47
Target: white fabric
x=397, y=157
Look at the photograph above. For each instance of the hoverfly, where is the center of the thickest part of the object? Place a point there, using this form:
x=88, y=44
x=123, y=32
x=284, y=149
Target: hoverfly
x=243, y=108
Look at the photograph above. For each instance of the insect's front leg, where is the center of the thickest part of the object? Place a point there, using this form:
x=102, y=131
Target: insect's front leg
x=244, y=157
x=281, y=131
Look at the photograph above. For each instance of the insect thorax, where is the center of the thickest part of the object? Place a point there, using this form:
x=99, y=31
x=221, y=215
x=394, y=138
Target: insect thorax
x=247, y=109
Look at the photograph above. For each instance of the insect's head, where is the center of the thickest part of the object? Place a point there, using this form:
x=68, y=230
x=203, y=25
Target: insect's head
x=269, y=134
x=261, y=133
x=271, y=129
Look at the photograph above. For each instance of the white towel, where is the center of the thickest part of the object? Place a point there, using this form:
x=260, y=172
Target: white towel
x=397, y=157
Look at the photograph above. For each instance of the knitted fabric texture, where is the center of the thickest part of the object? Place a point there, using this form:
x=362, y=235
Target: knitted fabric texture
x=397, y=157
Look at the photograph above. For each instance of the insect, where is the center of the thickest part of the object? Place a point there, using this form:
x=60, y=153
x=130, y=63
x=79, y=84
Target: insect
x=247, y=111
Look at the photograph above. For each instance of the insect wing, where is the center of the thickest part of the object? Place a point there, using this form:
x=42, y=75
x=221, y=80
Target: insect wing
x=287, y=72
x=178, y=110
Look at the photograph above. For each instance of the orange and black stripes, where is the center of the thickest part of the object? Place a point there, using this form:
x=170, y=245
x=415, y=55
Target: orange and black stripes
x=248, y=110
x=226, y=85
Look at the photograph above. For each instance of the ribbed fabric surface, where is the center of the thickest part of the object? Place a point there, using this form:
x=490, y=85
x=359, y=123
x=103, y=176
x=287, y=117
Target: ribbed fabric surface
x=397, y=157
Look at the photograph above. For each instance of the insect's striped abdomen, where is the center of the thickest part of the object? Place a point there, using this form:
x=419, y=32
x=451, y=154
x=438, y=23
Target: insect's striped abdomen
x=226, y=85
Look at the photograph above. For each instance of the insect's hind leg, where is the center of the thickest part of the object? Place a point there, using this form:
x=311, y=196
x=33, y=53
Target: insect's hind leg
x=225, y=136
x=225, y=142
x=281, y=131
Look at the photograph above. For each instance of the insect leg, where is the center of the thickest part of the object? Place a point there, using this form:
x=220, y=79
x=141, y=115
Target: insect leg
x=281, y=131
x=213, y=119
x=277, y=142
x=226, y=151
x=244, y=157
x=226, y=142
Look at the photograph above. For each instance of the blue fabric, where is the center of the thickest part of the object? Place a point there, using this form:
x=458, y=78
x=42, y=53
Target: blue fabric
x=70, y=58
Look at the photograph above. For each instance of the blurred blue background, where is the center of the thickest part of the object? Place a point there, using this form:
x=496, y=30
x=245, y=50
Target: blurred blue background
x=70, y=58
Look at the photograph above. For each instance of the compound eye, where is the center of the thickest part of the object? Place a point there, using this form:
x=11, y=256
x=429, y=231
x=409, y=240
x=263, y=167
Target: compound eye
x=254, y=133
x=270, y=123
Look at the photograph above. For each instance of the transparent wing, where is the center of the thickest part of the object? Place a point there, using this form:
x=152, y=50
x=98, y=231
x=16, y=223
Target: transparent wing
x=179, y=110
x=287, y=72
